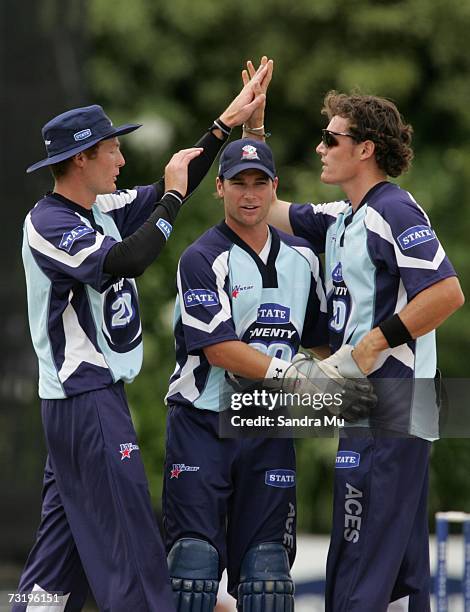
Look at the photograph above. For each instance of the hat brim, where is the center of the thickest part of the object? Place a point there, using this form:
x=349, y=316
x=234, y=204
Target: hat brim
x=248, y=165
x=55, y=159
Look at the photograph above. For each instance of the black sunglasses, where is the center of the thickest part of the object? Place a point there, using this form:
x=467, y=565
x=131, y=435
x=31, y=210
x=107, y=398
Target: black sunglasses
x=329, y=140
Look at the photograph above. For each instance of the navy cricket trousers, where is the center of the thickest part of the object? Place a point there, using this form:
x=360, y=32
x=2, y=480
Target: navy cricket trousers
x=97, y=525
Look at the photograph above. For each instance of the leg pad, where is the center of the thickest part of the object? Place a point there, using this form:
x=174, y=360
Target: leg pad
x=194, y=571
x=265, y=581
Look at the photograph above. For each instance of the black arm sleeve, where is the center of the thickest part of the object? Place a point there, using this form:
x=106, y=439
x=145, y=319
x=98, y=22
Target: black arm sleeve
x=199, y=166
x=135, y=253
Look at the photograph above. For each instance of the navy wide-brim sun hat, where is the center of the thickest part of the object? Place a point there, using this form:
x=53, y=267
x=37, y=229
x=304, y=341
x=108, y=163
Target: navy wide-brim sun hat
x=76, y=130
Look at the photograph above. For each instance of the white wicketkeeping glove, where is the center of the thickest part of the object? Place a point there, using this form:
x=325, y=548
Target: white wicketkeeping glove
x=312, y=376
x=345, y=363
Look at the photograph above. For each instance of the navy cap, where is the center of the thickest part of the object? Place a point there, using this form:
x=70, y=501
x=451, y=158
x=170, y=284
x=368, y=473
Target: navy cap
x=76, y=130
x=246, y=154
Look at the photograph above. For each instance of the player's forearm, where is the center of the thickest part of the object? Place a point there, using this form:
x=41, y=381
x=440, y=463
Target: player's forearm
x=211, y=142
x=237, y=357
x=135, y=253
x=279, y=215
x=426, y=311
x=431, y=307
x=199, y=167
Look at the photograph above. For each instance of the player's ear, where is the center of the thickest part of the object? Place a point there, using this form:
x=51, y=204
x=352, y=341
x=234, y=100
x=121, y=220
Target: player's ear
x=275, y=183
x=79, y=159
x=368, y=149
x=219, y=184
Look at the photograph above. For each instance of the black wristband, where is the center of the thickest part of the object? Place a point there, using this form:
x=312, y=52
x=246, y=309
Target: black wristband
x=218, y=124
x=395, y=331
x=176, y=194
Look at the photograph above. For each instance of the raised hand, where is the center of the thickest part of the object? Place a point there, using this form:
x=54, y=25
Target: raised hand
x=256, y=120
x=176, y=170
x=250, y=97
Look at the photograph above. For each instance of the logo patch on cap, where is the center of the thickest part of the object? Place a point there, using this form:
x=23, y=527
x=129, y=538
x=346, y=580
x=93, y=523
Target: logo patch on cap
x=82, y=135
x=249, y=152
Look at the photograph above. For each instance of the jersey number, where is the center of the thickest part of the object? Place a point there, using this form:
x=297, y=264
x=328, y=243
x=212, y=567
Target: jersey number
x=281, y=350
x=123, y=311
x=338, y=319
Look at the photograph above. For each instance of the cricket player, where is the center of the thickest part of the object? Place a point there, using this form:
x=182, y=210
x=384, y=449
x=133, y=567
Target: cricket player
x=248, y=297
x=389, y=285
x=84, y=244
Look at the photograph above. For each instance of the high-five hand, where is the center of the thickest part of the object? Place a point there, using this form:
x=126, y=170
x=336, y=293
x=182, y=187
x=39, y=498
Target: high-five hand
x=250, y=97
x=176, y=170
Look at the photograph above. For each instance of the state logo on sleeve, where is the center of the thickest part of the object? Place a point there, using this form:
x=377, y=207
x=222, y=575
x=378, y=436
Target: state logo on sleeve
x=200, y=297
x=165, y=227
x=413, y=236
x=68, y=238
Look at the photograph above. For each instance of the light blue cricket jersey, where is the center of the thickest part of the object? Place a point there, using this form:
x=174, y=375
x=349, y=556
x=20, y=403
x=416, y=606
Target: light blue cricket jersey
x=226, y=292
x=85, y=326
x=377, y=259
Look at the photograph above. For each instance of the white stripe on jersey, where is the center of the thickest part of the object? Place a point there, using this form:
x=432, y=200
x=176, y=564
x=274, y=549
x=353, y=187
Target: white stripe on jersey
x=330, y=208
x=402, y=298
x=377, y=224
x=314, y=267
x=37, y=242
x=78, y=348
x=113, y=201
x=186, y=383
x=352, y=322
x=401, y=353
x=418, y=206
x=220, y=268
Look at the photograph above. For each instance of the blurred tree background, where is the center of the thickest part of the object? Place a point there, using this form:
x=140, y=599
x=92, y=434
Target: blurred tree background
x=174, y=66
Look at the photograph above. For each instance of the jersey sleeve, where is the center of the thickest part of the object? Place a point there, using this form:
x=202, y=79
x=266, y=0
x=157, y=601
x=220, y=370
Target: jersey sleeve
x=206, y=312
x=311, y=221
x=130, y=208
x=401, y=239
x=315, y=330
x=65, y=246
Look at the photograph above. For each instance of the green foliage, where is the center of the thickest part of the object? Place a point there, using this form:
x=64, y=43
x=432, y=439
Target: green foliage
x=180, y=61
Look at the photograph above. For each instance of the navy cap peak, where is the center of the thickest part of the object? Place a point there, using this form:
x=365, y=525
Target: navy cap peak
x=246, y=154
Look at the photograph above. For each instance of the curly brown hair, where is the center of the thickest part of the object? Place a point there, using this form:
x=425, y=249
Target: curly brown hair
x=376, y=119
